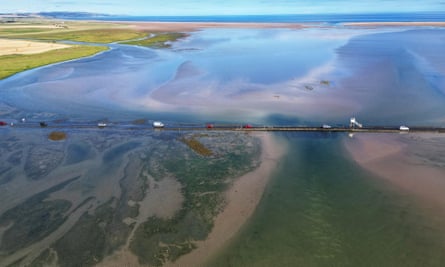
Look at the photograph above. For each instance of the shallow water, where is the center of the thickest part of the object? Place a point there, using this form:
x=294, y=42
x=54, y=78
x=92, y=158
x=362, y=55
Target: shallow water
x=321, y=209
x=384, y=76
x=100, y=189
x=312, y=75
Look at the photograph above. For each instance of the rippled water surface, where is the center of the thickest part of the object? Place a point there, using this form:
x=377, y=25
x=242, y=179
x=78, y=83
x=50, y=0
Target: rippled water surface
x=321, y=207
x=312, y=75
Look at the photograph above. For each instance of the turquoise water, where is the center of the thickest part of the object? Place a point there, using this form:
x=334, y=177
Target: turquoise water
x=321, y=209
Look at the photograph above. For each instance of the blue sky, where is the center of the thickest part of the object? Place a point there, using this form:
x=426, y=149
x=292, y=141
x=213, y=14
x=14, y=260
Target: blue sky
x=222, y=7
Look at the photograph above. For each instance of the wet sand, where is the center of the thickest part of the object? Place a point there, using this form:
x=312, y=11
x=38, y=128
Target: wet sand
x=395, y=24
x=154, y=204
x=242, y=199
x=396, y=159
x=193, y=26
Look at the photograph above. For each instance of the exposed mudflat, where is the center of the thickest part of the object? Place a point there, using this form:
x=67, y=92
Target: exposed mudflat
x=102, y=192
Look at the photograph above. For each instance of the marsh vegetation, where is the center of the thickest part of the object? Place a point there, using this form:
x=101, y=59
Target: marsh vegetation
x=115, y=204
x=98, y=33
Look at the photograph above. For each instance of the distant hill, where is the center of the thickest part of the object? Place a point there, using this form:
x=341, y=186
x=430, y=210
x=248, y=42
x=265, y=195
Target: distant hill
x=55, y=15
x=71, y=15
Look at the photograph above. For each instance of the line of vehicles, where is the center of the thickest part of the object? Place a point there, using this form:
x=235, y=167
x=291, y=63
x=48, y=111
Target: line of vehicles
x=104, y=124
x=160, y=125
x=43, y=124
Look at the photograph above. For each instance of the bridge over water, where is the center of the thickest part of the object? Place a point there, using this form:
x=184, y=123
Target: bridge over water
x=222, y=127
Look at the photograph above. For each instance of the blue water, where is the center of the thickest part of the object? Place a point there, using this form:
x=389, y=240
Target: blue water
x=321, y=209
x=289, y=18
x=384, y=76
x=212, y=70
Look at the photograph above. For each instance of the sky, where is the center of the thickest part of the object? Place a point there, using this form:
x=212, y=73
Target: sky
x=221, y=7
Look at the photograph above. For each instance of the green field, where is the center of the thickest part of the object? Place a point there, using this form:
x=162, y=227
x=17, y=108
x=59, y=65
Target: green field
x=161, y=40
x=6, y=31
x=79, y=32
x=12, y=64
x=91, y=36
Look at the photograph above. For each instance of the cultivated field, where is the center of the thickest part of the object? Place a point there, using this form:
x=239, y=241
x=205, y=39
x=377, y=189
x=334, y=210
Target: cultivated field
x=22, y=47
x=42, y=45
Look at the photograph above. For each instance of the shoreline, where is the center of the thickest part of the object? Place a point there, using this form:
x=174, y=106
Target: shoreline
x=393, y=160
x=163, y=26
x=395, y=24
x=242, y=199
x=159, y=26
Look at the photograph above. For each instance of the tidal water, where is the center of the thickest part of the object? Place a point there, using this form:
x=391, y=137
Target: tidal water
x=291, y=18
x=321, y=208
x=309, y=76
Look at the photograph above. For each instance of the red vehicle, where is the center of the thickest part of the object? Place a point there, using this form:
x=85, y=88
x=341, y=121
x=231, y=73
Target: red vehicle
x=247, y=126
x=209, y=126
x=2, y=123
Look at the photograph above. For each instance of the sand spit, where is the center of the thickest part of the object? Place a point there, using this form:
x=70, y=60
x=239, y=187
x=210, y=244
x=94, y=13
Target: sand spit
x=394, y=159
x=395, y=24
x=22, y=47
x=193, y=26
x=242, y=199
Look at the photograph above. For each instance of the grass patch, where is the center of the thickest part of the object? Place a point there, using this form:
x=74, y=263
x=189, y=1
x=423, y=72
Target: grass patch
x=91, y=36
x=140, y=121
x=12, y=64
x=15, y=30
x=197, y=146
x=162, y=40
x=57, y=136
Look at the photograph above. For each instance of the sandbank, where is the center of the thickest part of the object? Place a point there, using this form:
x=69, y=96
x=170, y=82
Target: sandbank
x=394, y=24
x=242, y=199
x=193, y=26
x=394, y=160
x=21, y=47
x=156, y=26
